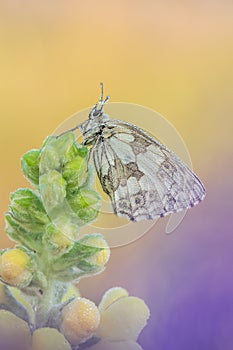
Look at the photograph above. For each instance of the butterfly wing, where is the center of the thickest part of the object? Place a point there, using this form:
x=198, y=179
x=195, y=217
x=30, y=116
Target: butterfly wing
x=142, y=177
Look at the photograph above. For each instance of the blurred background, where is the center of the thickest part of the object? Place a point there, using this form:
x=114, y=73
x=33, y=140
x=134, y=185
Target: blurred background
x=176, y=58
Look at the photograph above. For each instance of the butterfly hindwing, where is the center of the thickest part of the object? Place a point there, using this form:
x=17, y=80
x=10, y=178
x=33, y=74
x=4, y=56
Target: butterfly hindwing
x=142, y=177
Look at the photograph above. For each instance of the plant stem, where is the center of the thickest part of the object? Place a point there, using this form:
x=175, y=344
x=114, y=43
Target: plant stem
x=44, y=305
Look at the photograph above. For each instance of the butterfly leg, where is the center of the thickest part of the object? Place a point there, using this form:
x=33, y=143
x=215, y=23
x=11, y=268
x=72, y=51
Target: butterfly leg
x=91, y=151
x=70, y=130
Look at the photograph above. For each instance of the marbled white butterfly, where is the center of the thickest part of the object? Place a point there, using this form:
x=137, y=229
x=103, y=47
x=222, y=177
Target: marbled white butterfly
x=142, y=177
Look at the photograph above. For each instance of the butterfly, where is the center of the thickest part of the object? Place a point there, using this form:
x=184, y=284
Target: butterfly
x=142, y=177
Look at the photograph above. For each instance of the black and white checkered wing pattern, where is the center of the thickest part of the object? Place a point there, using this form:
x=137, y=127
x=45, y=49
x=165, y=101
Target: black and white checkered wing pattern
x=142, y=177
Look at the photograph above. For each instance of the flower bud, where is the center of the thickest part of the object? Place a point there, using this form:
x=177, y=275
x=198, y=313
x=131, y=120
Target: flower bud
x=64, y=145
x=75, y=173
x=73, y=152
x=111, y=296
x=57, y=151
x=49, y=160
x=80, y=320
x=30, y=166
x=56, y=241
x=52, y=189
x=86, y=204
x=123, y=319
x=15, y=268
x=49, y=338
x=14, y=332
x=87, y=255
x=100, y=258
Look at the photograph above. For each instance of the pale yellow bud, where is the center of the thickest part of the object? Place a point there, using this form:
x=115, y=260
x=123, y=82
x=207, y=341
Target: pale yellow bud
x=101, y=257
x=14, y=332
x=123, y=319
x=111, y=296
x=80, y=320
x=14, y=268
x=49, y=338
x=60, y=242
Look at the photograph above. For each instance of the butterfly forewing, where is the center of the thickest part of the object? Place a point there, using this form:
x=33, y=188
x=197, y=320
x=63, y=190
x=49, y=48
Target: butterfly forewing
x=142, y=177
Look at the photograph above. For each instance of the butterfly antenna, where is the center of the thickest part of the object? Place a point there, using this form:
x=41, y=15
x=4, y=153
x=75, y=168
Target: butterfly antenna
x=101, y=100
x=101, y=93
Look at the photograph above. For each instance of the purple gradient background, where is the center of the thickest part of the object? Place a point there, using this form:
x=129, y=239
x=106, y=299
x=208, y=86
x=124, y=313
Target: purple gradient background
x=186, y=277
x=175, y=57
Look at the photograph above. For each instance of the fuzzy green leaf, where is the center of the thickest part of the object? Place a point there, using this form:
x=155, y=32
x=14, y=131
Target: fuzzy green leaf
x=26, y=206
x=30, y=166
x=75, y=273
x=49, y=160
x=76, y=255
x=75, y=173
x=86, y=204
x=52, y=189
x=28, y=234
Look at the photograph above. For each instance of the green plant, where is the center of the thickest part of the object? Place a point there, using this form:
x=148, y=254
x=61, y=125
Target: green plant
x=39, y=274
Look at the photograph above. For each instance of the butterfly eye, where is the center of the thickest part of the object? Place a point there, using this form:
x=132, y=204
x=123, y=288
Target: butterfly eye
x=97, y=112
